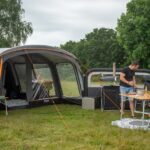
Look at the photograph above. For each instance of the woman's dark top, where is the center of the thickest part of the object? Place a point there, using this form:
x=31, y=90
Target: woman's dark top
x=129, y=74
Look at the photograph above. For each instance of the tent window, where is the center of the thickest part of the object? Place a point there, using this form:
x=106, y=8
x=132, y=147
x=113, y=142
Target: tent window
x=44, y=77
x=21, y=72
x=68, y=80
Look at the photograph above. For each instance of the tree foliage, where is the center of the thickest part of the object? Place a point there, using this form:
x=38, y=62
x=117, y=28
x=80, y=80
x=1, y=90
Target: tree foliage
x=133, y=31
x=98, y=49
x=13, y=29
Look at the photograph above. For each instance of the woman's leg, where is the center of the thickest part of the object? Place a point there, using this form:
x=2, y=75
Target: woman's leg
x=132, y=106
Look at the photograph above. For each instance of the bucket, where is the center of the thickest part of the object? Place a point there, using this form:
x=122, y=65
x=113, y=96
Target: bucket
x=140, y=92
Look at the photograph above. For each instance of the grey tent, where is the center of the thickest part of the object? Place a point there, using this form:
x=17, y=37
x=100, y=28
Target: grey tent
x=24, y=71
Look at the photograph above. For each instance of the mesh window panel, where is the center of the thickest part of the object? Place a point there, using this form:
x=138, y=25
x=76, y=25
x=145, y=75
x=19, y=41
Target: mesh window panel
x=68, y=80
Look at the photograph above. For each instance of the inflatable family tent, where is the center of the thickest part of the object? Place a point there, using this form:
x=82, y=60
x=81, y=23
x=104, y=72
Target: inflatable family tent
x=35, y=73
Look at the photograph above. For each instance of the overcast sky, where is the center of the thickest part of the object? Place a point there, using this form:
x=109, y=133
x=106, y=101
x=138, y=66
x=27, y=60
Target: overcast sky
x=55, y=22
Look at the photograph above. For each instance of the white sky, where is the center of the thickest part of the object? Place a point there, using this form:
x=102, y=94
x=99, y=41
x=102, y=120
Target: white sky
x=55, y=22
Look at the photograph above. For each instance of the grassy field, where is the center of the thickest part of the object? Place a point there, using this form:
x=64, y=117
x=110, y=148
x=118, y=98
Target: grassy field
x=43, y=129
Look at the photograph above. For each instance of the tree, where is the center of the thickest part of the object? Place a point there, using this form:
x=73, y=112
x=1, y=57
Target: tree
x=99, y=48
x=13, y=29
x=133, y=32
x=103, y=49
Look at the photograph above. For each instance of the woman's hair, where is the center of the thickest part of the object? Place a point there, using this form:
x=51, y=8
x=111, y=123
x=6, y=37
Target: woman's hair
x=135, y=63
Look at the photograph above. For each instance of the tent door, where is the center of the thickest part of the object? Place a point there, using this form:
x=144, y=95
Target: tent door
x=11, y=83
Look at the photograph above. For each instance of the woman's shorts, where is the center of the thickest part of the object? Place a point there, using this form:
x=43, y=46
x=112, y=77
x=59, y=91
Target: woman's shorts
x=125, y=90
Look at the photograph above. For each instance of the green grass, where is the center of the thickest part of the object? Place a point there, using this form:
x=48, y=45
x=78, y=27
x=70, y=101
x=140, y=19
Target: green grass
x=43, y=129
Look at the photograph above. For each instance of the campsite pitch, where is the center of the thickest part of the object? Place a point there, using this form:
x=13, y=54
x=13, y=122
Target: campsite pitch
x=77, y=129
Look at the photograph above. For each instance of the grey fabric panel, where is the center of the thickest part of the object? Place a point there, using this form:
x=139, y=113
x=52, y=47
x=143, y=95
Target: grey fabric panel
x=29, y=90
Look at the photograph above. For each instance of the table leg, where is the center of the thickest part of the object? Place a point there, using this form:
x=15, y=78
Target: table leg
x=143, y=112
x=102, y=105
x=135, y=102
x=122, y=105
x=102, y=108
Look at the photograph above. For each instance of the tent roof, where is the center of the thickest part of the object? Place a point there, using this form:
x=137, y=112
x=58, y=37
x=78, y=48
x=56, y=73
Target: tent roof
x=36, y=48
x=56, y=54
x=3, y=50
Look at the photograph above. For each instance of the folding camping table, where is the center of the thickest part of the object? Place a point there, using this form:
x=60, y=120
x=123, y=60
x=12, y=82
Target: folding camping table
x=143, y=99
x=3, y=101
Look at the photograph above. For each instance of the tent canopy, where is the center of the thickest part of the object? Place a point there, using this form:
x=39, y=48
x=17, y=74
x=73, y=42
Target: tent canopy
x=56, y=54
x=32, y=56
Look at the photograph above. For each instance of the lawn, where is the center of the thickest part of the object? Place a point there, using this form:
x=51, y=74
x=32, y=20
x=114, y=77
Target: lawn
x=77, y=129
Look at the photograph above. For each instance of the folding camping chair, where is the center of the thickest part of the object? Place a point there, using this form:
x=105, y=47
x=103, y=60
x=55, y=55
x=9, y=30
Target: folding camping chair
x=4, y=102
x=41, y=89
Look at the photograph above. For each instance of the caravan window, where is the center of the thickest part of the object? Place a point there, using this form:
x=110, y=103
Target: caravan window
x=103, y=78
x=96, y=79
x=42, y=73
x=68, y=80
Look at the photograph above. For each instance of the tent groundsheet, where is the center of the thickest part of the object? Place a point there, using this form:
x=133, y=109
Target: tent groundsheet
x=130, y=123
x=16, y=103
